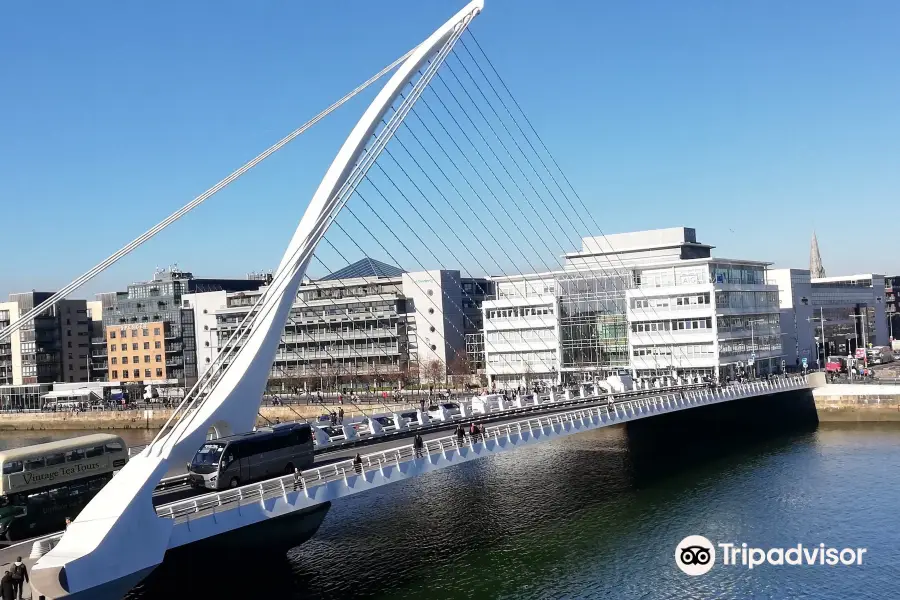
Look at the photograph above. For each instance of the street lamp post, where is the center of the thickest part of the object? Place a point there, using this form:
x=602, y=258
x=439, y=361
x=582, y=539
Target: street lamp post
x=753, y=345
x=856, y=332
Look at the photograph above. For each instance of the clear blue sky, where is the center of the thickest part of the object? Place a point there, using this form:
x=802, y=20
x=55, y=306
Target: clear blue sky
x=752, y=121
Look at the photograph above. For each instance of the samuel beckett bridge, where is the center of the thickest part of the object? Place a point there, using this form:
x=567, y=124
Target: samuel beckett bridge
x=442, y=168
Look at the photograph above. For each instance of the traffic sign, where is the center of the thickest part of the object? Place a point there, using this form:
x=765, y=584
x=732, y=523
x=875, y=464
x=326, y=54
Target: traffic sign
x=803, y=360
x=752, y=359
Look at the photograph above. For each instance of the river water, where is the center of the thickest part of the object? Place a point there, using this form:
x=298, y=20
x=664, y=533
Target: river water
x=582, y=517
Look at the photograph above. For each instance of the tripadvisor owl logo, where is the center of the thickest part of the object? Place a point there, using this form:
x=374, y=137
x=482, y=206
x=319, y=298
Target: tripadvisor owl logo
x=695, y=555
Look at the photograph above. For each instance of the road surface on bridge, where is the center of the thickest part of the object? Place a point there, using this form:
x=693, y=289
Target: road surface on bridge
x=371, y=444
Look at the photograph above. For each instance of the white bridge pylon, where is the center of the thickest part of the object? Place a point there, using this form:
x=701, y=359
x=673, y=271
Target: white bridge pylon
x=118, y=538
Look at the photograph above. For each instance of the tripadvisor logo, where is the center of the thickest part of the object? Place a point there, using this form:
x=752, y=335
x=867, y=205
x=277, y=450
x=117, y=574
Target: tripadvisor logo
x=696, y=555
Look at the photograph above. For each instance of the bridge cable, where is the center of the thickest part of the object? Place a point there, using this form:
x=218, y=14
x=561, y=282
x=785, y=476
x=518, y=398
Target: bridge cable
x=150, y=233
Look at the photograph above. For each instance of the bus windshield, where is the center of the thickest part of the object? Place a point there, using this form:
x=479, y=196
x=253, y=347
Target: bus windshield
x=208, y=455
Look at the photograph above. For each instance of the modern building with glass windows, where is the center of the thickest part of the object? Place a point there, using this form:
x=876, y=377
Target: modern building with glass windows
x=154, y=305
x=54, y=346
x=368, y=324
x=654, y=303
x=831, y=316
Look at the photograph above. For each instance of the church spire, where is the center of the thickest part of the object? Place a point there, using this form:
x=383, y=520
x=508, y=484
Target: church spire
x=815, y=259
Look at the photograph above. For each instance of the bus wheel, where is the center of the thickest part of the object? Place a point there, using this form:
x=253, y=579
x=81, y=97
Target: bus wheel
x=289, y=469
x=234, y=482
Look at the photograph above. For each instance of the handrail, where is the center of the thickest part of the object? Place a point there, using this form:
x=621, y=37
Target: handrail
x=395, y=455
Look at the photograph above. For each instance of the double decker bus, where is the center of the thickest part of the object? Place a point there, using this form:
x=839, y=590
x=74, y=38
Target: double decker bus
x=43, y=484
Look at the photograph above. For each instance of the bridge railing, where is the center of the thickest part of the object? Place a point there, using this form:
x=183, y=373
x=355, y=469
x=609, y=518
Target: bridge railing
x=281, y=486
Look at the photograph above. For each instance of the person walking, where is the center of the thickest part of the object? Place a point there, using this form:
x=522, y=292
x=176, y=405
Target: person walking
x=7, y=589
x=418, y=445
x=357, y=464
x=460, y=434
x=341, y=416
x=19, y=576
x=298, y=479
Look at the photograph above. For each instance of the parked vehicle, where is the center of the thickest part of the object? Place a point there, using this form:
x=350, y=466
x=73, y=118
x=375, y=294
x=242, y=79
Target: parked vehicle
x=879, y=355
x=238, y=459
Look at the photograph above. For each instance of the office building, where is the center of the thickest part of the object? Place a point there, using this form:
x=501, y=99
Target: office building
x=850, y=310
x=152, y=317
x=891, y=293
x=54, y=346
x=367, y=324
x=654, y=303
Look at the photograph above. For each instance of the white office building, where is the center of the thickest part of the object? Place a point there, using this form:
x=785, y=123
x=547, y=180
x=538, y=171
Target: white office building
x=655, y=303
x=521, y=331
x=369, y=323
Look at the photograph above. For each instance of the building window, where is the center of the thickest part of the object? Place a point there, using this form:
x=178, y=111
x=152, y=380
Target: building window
x=134, y=346
x=157, y=345
x=134, y=333
x=159, y=358
x=146, y=372
x=112, y=335
x=114, y=360
x=145, y=332
x=146, y=358
x=159, y=373
x=135, y=360
x=156, y=331
x=115, y=374
x=137, y=373
x=124, y=360
x=112, y=348
x=146, y=345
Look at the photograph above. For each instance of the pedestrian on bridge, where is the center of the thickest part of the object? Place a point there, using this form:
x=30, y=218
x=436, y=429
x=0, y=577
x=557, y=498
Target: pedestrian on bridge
x=341, y=415
x=7, y=588
x=298, y=479
x=19, y=576
x=357, y=464
x=418, y=445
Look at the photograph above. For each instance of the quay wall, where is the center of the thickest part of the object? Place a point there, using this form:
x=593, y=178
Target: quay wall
x=857, y=403
x=137, y=419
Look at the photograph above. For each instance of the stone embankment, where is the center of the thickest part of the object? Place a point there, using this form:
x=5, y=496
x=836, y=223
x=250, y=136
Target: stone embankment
x=156, y=418
x=854, y=402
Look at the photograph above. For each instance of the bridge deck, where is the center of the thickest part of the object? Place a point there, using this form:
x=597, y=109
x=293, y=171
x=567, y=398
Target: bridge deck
x=396, y=460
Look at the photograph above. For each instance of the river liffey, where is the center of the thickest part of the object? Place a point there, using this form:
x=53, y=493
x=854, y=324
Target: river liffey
x=581, y=517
